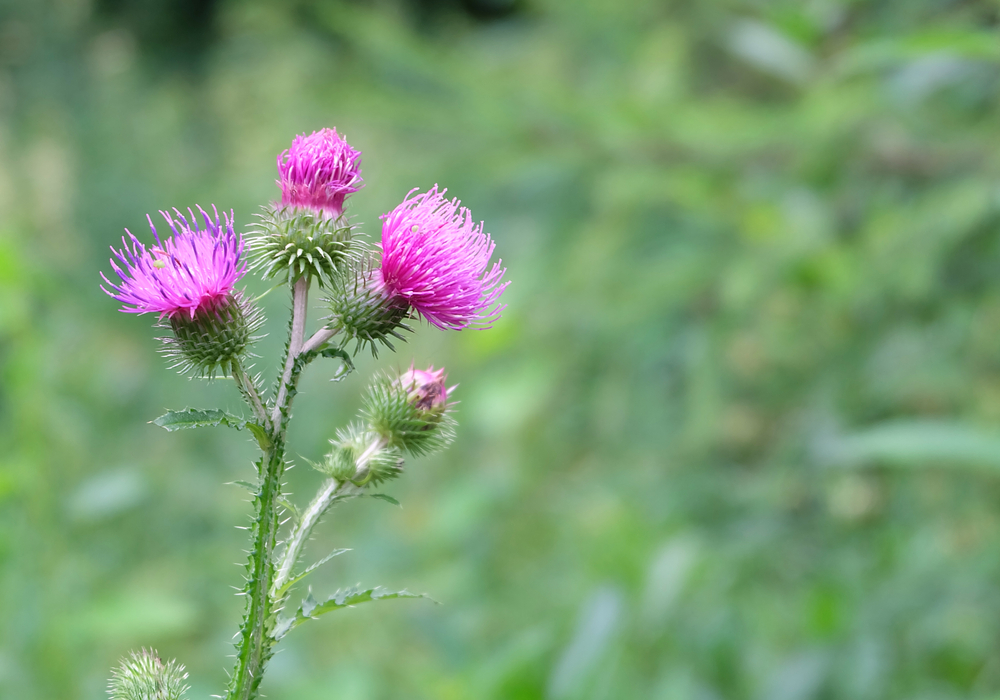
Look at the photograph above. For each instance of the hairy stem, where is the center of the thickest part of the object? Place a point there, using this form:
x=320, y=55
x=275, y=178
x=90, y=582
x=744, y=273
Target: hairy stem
x=318, y=338
x=254, y=647
x=251, y=394
x=300, y=298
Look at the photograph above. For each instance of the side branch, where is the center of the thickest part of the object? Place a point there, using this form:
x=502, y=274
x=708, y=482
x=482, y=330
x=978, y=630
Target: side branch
x=318, y=338
x=331, y=492
x=251, y=394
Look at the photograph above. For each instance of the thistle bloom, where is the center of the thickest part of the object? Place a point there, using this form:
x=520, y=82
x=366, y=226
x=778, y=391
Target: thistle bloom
x=436, y=260
x=194, y=270
x=319, y=171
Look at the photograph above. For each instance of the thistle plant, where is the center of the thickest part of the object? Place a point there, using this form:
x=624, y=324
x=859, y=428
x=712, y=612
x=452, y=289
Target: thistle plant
x=432, y=263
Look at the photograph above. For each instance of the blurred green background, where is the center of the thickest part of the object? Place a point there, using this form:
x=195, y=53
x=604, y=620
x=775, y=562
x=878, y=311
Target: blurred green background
x=734, y=438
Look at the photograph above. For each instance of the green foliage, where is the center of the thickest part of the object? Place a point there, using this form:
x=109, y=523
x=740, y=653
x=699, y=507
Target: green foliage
x=310, y=609
x=198, y=418
x=737, y=233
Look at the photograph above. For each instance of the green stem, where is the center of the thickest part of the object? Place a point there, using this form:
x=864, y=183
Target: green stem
x=254, y=648
x=251, y=393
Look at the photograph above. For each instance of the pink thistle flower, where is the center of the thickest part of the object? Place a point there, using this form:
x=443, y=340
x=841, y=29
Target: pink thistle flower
x=435, y=259
x=194, y=270
x=319, y=171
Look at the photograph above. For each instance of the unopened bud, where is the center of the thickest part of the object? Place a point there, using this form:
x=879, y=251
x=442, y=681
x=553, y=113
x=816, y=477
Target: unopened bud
x=363, y=457
x=411, y=412
x=143, y=676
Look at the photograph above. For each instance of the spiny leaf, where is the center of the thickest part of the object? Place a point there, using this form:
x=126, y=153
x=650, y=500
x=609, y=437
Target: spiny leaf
x=197, y=418
x=290, y=507
x=310, y=609
x=280, y=593
x=252, y=488
x=341, y=354
x=385, y=497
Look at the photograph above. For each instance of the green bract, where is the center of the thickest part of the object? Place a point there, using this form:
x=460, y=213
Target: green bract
x=143, y=676
x=361, y=457
x=361, y=311
x=401, y=422
x=294, y=242
x=210, y=341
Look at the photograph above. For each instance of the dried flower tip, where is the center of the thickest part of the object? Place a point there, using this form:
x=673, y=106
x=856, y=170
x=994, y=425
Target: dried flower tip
x=426, y=389
x=143, y=676
x=193, y=270
x=294, y=242
x=435, y=259
x=319, y=171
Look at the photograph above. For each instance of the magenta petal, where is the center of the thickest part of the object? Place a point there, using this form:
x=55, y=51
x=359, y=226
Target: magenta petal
x=436, y=259
x=319, y=171
x=194, y=269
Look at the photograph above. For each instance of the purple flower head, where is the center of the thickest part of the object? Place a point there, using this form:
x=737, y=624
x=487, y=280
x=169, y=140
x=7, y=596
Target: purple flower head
x=319, y=171
x=435, y=259
x=193, y=270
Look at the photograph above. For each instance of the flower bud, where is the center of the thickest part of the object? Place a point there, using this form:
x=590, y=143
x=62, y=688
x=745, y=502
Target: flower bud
x=411, y=412
x=143, y=676
x=298, y=241
x=363, y=312
x=211, y=339
x=363, y=457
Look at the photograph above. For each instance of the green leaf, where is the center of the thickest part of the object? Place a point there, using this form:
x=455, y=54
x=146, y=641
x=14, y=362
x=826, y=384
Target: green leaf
x=280, y=593
x=198, y=418
x=385, y=497
x=252, y=488
x=342, y=355
x=263, y=439
x=290, y=507
x=310, y=609
x=916, y=443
